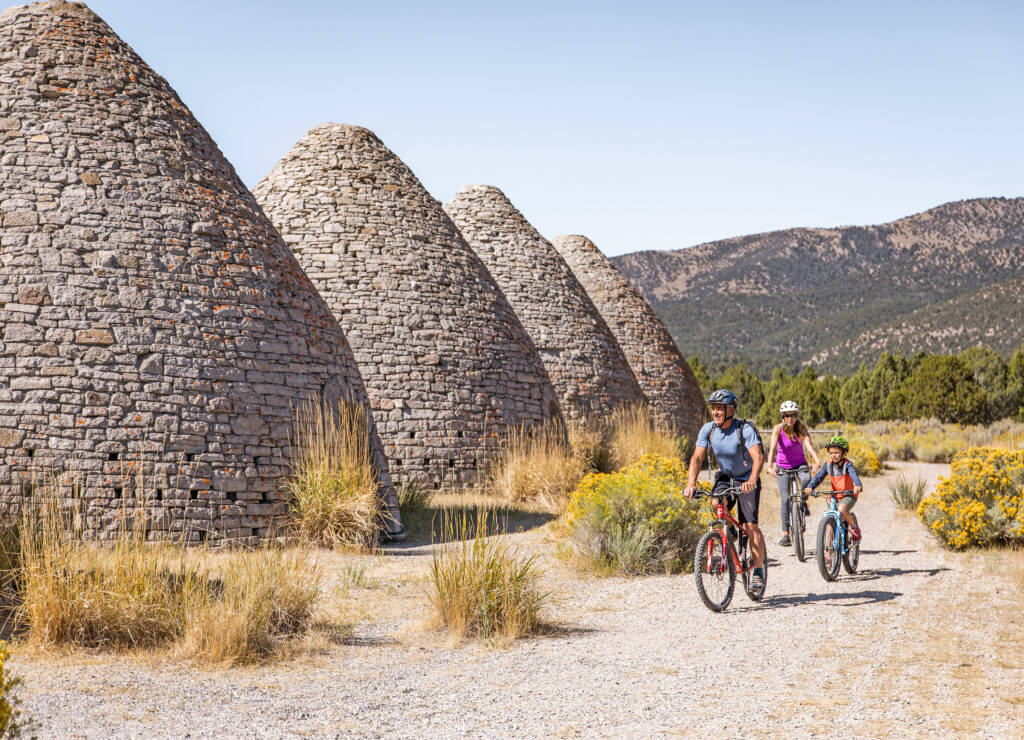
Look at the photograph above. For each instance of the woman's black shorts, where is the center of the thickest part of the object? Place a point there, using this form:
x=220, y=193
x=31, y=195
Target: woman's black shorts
x=750, y=503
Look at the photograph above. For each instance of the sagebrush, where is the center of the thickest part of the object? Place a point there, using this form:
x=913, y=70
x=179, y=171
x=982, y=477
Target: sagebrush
x=637, y=520
x=981, y=502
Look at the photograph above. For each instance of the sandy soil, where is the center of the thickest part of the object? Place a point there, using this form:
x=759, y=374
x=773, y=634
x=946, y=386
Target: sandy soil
x=918, y=642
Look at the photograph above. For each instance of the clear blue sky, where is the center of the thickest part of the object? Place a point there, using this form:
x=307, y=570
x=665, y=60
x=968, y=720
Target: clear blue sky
x=644, y=125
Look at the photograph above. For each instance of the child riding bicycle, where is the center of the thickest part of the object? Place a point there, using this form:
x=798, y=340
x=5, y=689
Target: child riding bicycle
x=843, y=476
x=791, y=440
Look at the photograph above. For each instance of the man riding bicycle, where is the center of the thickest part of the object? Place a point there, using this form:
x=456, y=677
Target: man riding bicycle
x=738, y=450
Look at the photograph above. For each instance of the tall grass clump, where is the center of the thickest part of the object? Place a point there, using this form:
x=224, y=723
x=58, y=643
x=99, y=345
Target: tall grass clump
x=482, y=587
x=906, y=493
x=335, y=501
x=636, y=520
x=635, y=433
x=590, y=442
x=414, y=508
x=130, y=594
x=126, y=595
x=536, y=465
x=259, y=600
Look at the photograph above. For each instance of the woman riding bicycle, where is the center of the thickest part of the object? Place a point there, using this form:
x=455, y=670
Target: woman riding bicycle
x=791, y=440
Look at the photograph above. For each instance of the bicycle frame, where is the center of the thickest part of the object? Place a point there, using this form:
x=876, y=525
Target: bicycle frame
x=832, y=510
x=723, y=520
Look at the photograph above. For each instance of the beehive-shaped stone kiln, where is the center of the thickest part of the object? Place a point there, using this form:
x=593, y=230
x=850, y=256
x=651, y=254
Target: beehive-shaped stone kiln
x=158, y=335
x=664, y=376
x=447, y=365
x=585, y=364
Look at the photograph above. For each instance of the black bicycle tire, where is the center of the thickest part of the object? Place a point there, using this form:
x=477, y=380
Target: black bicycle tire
x=851, y=559
x=730, y=567
x=796, y=530
x=827, y=524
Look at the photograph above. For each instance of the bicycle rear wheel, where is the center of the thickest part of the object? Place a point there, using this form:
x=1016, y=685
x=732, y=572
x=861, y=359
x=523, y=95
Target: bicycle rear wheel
x=714, y=572
x=796, y=528
x=828, y=549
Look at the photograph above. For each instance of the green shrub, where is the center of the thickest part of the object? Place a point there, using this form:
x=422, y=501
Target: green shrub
x=637, y=520
x=941, y=386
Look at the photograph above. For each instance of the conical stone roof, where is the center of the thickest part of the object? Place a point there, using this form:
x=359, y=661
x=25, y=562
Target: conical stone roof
x=586, y=365
x=666, y=379
x=152, y=319
x=447, y=365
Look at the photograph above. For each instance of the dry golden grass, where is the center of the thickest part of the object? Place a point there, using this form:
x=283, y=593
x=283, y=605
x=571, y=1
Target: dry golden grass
x=480, y=586
x=536, y=465
x=335, y=501
x=634, y=433
x=132, y=595
x=590, y=442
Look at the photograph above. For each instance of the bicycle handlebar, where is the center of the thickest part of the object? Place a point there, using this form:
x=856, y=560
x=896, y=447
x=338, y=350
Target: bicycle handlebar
x=734, y=491
x=827, y=493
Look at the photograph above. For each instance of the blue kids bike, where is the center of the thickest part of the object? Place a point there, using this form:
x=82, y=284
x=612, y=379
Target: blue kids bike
x=834, y=541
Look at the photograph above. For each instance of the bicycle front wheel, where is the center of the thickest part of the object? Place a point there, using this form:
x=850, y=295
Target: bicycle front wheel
x=796, y=528
x=828, y=549
x=714, y=572
x=851, y=558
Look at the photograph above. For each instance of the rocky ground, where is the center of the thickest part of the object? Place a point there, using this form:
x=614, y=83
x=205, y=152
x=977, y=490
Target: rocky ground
x=919, y=642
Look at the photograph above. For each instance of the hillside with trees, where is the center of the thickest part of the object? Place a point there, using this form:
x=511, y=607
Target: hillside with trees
x=974, y=387
x=940, y=281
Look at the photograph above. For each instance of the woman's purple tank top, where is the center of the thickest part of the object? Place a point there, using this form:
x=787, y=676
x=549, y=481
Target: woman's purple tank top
x=791, y=451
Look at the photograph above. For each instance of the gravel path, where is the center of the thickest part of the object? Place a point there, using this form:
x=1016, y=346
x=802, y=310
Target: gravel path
x=636, y=656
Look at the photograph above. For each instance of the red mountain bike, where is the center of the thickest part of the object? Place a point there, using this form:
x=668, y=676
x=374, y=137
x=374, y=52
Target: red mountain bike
x=720, y=553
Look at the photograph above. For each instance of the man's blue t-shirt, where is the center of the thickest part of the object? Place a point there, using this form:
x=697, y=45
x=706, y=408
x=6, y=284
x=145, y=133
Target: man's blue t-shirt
x=733, y=459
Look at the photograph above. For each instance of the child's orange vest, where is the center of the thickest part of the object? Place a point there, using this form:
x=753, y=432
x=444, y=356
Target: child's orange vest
x=841, y=482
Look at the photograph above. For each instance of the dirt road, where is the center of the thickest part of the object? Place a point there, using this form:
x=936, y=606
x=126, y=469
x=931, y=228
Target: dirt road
x=905, y=647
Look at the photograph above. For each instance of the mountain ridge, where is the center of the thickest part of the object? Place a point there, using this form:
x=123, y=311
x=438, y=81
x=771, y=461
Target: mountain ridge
x=797, y=295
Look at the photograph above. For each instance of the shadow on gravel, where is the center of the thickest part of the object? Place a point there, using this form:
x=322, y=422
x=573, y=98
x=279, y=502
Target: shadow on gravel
x=874, y=574
x=430, y=526
x=856, y=598
x=370, y=641
x=886, y=552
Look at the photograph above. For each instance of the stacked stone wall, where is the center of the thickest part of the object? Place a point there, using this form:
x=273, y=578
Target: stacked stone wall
x=157, y=334
x=585, y=363
x=447, y=365
x=664, y=375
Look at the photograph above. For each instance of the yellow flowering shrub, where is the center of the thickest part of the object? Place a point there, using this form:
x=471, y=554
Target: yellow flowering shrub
x=982, y=500
x=11, y=721
x=863, y=457
x=636, y=520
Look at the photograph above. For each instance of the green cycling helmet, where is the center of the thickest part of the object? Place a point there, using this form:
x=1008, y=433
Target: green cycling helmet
x=838, y=441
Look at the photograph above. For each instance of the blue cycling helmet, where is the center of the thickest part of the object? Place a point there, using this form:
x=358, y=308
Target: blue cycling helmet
x=723, y=396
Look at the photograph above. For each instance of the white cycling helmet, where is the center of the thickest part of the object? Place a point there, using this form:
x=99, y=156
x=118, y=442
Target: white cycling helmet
x=789, y=407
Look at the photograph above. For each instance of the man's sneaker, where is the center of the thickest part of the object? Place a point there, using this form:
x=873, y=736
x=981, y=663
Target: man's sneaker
x=785, y=541
x=756, y=580
x=855, y=534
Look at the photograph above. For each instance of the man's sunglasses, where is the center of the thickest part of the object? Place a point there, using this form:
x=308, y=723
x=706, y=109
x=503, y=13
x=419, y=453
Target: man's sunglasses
x=789, y=416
